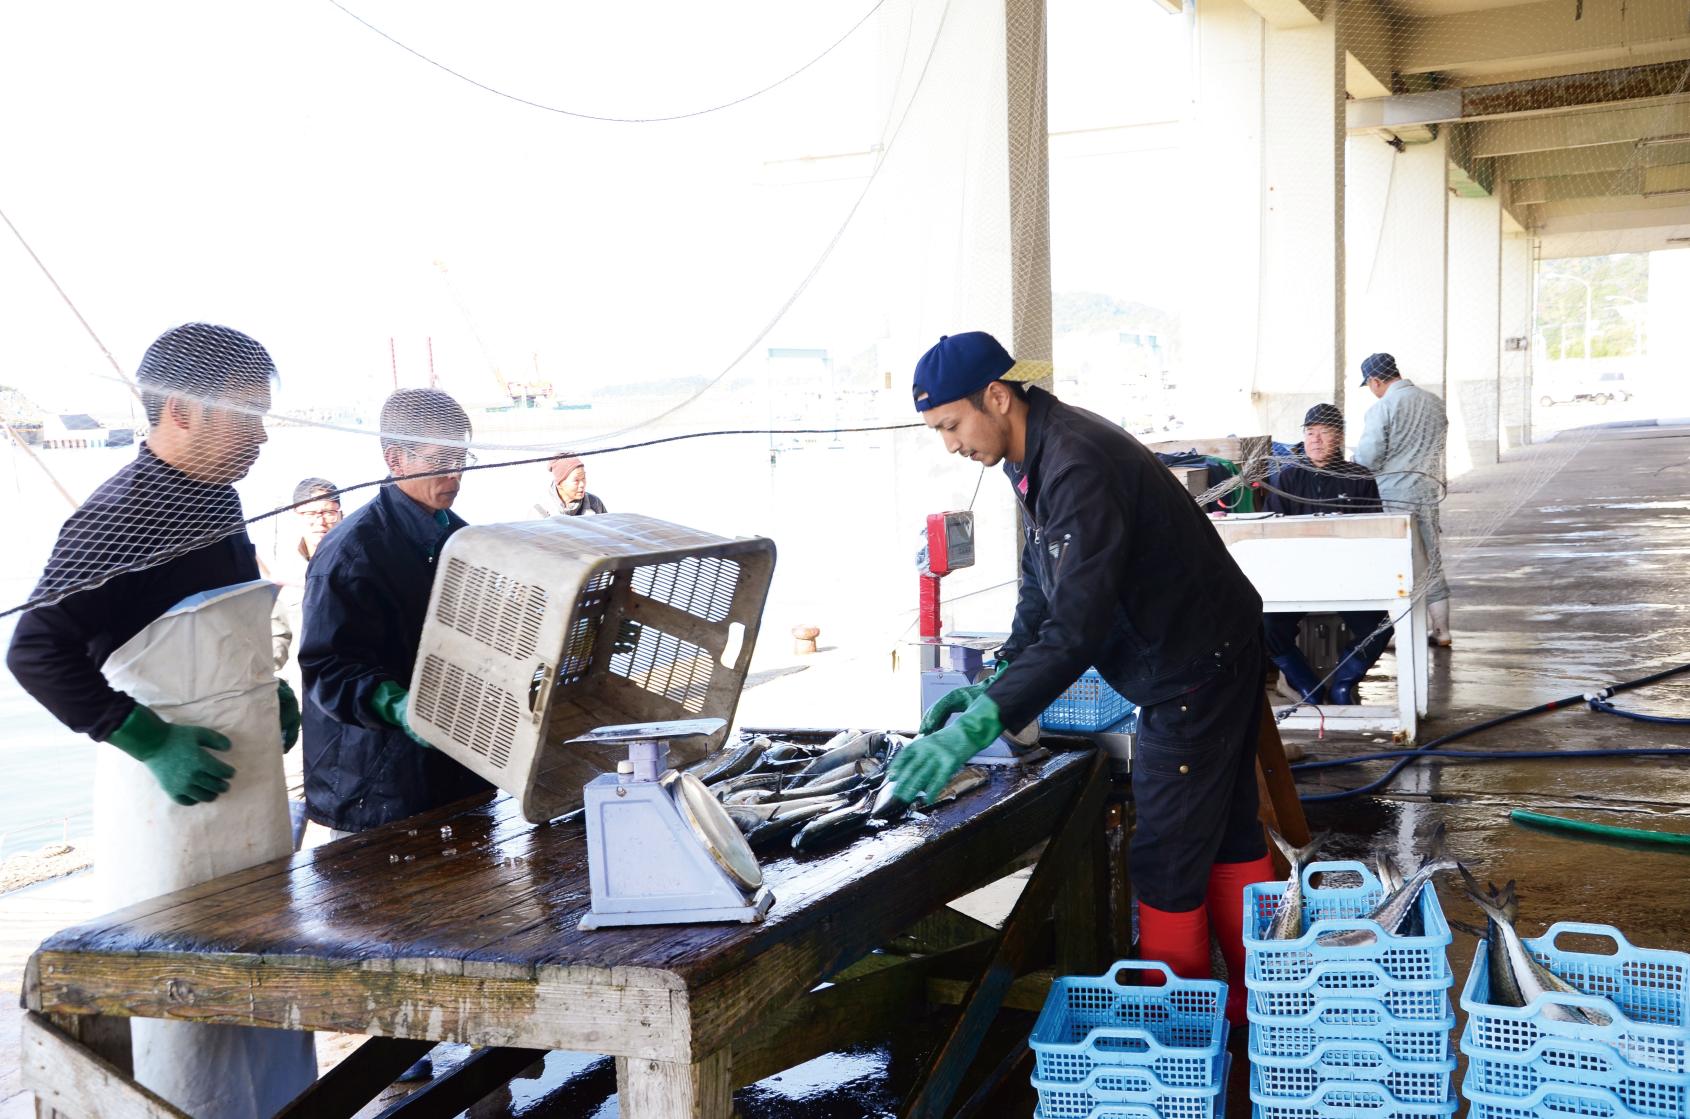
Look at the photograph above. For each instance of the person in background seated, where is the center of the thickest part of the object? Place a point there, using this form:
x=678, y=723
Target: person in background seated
x=1323, y=481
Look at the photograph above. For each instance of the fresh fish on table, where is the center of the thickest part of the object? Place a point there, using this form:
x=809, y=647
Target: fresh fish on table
x=867, y=768
x=748, y=796
x=764, y=811
x=1287, y=923
x=1516, y=977
x=731, y=763
x=780, y=829
x=889, y=806
x=770, y=782
x=1391, y=914
x=864, y=745
x=791, y=751
x=843, y=784
x=834, y=825
x=967, y=779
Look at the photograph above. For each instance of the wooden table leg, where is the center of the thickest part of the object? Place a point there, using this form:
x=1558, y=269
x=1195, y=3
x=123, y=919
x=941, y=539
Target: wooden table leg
x=1079, y=830
x=1280, y=807
x=670, y=1090
x=1117, y=838
x=1083, y=920
x=66, y=1066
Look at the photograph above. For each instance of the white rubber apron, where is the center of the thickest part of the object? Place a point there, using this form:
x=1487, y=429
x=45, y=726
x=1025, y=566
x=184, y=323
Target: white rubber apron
x=206, y=662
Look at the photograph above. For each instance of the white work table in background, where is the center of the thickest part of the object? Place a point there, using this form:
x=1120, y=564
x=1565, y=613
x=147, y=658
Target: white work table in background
x=1366, y=561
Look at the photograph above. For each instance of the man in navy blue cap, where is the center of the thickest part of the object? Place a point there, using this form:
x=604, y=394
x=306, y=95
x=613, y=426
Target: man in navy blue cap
x=1122, y=571
x=1403, y=444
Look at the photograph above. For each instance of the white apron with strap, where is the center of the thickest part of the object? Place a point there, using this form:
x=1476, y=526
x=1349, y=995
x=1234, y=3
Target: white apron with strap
x=206, y=662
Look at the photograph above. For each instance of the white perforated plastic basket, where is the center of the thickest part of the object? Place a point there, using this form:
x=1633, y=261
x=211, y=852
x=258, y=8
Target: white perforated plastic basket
x=542, y=631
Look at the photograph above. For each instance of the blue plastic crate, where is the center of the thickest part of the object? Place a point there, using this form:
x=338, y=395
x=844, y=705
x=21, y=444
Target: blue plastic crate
x=1108, y=1088
x=1568, y=1100
x=1660, y=1094
x=1177, y=1031
x=1329, y=908
x=1133, y=1111
x=1298, y=1077
x=1645, y=991
x=1410, y=999
x=1088, y=706
x=1346, y=1099
x=1414, y=1042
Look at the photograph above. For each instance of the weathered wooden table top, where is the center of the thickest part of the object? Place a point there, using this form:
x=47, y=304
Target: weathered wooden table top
x=471, y=936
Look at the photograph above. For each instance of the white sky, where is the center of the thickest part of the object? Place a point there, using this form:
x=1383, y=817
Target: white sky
x=279, y=167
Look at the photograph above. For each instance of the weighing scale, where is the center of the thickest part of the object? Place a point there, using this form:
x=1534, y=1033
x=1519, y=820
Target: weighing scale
x=661, y=850
x=957, y=660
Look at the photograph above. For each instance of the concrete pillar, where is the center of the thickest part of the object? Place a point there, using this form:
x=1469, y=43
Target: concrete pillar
x=1266, y=333
x=1396, y=207
x=1514, y=418
x=1475, y=341
x=1027, y=148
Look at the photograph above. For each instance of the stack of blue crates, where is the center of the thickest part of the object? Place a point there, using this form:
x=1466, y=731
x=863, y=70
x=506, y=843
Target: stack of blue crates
x=1087, y=707
x=1107, y=1049
x=1337, y=1031
x=1540, y=1060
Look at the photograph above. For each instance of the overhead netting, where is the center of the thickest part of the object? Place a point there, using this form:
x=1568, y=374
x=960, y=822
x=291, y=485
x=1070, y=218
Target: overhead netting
x=591, y=229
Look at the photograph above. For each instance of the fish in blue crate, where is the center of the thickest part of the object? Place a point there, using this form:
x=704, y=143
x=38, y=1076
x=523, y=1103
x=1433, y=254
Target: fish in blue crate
x=1392, y=912
x=1288, y=923
x=1390, y=877
x=1516, y=978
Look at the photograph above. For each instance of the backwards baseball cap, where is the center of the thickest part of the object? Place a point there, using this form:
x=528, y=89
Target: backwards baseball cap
x=961, y=364
x=1381, y=366
x=1327, y=414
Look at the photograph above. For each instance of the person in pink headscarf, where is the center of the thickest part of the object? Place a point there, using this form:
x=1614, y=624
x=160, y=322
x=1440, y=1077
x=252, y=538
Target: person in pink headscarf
x=569, y=489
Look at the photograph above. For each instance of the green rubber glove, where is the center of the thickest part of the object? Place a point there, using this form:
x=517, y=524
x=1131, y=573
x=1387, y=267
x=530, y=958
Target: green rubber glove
x=956, y=701
x=392, y=704
x=925, y=766
x=289, y=704
x=177, y=755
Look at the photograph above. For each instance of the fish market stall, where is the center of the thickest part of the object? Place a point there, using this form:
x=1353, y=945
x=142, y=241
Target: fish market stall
x=463, y=925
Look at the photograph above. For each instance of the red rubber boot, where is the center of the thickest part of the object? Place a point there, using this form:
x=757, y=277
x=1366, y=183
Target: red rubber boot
x=1226, y=917
x=1180, y=940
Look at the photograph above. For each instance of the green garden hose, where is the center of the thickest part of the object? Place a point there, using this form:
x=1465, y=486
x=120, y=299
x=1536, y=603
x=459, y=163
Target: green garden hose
x=1600, y=831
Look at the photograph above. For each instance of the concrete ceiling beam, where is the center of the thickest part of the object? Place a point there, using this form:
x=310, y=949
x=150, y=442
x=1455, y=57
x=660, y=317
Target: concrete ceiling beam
x=1544, y=33
x=1586, y=161
x=1658, y=83
x=1285, y=14
x=1590, y=128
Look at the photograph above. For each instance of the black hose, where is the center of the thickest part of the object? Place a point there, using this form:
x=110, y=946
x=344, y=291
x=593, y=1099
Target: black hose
x=1665, y=720
x=1410, y=756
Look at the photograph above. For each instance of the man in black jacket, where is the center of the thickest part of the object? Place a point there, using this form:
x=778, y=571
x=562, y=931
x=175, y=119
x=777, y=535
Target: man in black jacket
x=366, y=597
x=1122, y=571
x=1323, y=481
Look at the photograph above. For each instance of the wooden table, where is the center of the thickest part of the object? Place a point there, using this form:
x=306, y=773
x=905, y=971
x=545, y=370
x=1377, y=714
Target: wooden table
x=400, y=933
x=1359, y=561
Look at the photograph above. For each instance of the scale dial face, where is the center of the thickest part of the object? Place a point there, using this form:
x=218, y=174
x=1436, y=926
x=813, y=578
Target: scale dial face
x=709, y=821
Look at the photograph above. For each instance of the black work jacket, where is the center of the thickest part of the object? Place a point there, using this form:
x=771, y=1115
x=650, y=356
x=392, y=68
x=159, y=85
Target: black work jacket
x=1119, y=570
x=1338, y=487
x=366, y=597
x=146, y=510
